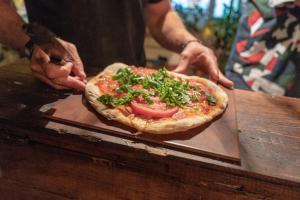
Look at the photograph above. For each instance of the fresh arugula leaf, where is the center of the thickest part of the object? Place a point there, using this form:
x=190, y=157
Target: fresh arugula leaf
x=211, y=101
x=106, y=100
x=126, y=99
x=147, y=97
x=171, y=91
x=131, y=95
x=125, y=76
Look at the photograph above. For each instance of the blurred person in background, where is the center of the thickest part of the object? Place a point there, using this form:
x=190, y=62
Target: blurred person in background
x=103, y=32
x=266, y=53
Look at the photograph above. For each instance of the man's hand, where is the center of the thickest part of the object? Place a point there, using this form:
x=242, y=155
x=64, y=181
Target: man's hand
x=69, y=76
x=167, y=28
x=205, y=60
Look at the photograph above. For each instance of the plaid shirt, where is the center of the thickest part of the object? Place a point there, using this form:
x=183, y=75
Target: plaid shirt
x=267, y=47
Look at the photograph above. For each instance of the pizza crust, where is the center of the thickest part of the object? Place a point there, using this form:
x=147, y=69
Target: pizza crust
x=161, y=126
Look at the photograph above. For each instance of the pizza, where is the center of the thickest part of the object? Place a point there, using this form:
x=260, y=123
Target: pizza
x=155, y=101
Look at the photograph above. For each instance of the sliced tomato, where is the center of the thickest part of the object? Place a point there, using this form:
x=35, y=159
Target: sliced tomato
x=152, y=112
x=108, y=86
x=179, y=115
x=142, y=71
x=205, y=109
x=201, y=85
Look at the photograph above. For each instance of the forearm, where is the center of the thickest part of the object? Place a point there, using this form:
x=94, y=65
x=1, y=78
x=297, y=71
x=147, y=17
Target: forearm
x=11, y=33
x=169, y=31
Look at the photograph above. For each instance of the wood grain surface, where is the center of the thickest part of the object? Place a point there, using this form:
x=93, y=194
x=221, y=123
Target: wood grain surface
x=42, y=159
x=39, y=171
x=218, y=139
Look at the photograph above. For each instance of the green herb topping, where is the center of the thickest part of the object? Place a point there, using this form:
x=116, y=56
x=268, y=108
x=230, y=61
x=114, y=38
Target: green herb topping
x=171, y=91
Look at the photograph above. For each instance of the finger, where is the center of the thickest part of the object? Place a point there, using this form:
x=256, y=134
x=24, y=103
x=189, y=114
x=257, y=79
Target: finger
x=215, y=74
x=53, y=71
x=225, y=81
x=44, y=79
x=78, y=78
x=39, y=56
x=211, y=68
x=183, y=65
x=70, y=82
x=36, y=68
x=78, y=70
x=41, y=62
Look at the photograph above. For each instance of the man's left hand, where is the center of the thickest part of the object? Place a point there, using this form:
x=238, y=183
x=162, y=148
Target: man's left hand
x=205, y=60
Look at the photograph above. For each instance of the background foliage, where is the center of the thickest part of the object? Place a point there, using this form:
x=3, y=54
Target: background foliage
x=217, y=33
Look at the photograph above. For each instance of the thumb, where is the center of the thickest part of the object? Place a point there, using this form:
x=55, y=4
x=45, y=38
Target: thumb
x=182, y=66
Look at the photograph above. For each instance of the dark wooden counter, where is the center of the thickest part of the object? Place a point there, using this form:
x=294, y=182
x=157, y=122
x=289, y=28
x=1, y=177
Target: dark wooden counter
x=40, y=159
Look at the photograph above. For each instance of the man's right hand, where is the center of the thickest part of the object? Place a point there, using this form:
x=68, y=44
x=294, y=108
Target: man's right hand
x=69, y=76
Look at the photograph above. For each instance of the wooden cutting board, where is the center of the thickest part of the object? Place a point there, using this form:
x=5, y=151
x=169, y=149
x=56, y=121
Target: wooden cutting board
x=217, y=140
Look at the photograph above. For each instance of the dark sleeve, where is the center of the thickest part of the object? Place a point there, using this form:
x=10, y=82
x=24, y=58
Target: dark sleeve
x=153, y=1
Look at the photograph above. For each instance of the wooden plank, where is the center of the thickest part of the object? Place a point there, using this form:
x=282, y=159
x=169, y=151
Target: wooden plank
x=270, y=134
x=72, y=175
x=218, y=139
x=142, y=156
x=269, y=114
x=13, y=190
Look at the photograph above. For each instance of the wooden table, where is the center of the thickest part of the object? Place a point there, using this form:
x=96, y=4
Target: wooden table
x=40, y=159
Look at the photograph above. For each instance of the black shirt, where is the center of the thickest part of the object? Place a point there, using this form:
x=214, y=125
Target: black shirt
x=104, y=31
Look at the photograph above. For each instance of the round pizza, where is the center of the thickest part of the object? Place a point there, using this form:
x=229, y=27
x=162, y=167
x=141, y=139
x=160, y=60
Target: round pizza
x=155, y=101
